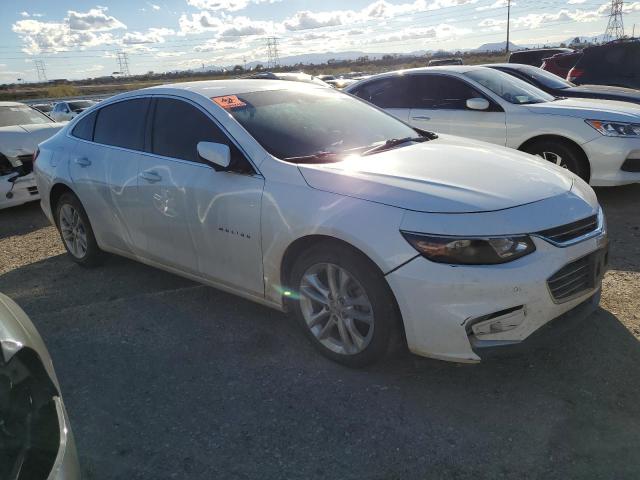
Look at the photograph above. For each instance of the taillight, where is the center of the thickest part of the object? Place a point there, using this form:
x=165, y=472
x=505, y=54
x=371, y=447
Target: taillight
x=574, y=74
x=35, y=154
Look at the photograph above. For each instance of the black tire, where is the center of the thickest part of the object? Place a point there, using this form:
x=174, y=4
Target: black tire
x=386, y=319
x=571, y=158
x=92, y=256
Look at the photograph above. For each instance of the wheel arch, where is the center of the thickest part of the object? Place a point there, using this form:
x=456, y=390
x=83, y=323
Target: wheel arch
x=559, y=138
x=302, y=244
x=56, y=192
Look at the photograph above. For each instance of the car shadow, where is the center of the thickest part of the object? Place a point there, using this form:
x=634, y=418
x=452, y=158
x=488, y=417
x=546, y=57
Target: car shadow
x=620, y=205
x=21, y=220
x=166, y=378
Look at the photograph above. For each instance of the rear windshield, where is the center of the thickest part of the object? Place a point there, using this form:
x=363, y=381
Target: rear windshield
x=81, y=104
x=545, y=78
x=21, y=115
x=297, y=123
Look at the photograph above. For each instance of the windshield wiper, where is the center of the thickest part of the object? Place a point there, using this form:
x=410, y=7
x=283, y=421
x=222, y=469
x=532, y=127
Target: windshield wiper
x=392, y=143
x=317, y=157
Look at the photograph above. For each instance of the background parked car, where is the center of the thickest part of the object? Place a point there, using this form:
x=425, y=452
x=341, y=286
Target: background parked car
x=21, y=129
x=615, y=63
x=288, y=76
x=599, y=140
x=437, y=62
x=535, y=56
x=36, y=442
x=558, y=87
x=43, y=107
x=65, y=111
x=560, y=63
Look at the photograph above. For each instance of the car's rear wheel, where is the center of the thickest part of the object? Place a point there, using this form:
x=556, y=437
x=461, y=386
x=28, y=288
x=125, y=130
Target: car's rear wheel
x=344, y=305
x=561, y=154
x=76, y=232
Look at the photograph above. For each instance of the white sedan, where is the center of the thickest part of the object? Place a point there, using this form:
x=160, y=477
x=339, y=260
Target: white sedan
x=67, y=110
x=599, y=140
x=308, y=200
x=21, y=129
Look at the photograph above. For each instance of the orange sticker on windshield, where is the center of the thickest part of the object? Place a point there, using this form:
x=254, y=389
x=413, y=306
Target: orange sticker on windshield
x=229, y=101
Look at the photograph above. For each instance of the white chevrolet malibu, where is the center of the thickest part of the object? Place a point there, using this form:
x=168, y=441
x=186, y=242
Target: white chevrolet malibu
x=307, y=200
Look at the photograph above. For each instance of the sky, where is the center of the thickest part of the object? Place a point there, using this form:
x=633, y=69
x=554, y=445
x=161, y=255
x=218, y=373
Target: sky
x=80, y=39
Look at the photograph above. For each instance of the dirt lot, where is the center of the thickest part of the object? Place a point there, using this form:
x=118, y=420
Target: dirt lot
x=164, y=378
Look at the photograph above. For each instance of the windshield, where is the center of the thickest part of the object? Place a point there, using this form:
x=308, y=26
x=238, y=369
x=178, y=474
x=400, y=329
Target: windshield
x=299, y=123
x=78, y=105
x=21, y=115
x=511, y=89
x=545, y=78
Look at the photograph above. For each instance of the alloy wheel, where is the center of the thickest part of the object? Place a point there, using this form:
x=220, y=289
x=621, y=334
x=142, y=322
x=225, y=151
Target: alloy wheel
x=73, y=231
x=336, y=309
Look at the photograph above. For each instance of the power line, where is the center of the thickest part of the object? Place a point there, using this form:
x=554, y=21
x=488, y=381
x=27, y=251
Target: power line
x=615, y=27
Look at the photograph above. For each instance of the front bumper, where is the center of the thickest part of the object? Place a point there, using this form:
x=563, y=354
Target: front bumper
x=25, y=190
x=606, y=157
x=439, y=302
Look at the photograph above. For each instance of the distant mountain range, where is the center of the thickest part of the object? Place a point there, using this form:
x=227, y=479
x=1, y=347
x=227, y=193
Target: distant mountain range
x=320, y=58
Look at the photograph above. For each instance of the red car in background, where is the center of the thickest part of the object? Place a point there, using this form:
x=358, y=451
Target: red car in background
x=561, y=63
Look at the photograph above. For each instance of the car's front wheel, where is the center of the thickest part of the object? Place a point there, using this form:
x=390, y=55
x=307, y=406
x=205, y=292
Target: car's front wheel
x=561, y=154
x=344, y=305
x=76, y=232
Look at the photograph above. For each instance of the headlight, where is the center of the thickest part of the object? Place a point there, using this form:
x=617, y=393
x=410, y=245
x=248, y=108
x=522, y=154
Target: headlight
x=471, y=250
x=615, y=129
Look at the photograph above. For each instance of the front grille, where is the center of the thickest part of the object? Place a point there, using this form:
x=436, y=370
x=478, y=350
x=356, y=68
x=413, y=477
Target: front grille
x=577, y=277
x=571, y=231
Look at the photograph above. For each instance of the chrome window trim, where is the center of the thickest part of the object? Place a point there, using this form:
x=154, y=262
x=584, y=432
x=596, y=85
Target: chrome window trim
x=142, y=152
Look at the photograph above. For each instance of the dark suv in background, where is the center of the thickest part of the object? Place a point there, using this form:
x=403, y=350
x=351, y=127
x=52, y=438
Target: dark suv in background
x=536, y=56
x=615, y=63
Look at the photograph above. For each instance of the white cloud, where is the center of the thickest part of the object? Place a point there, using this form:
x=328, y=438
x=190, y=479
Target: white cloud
x=152, y=35
x=153, y=6
x=502, y=4
x=95, y=20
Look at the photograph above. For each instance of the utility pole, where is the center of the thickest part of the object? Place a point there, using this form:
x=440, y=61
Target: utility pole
x=508, y=23
x=123, y=63
x=615, y=27
x=273, y=58
x=40, y=70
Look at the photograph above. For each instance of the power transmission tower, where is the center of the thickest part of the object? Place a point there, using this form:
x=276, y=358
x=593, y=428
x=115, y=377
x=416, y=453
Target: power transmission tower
x=508, y=23
x=123, y=63
x=615, y=27
x=273, y=58
x=40, y=70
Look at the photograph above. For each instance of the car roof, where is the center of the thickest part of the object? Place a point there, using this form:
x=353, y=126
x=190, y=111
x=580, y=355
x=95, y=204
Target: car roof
x=219, y=88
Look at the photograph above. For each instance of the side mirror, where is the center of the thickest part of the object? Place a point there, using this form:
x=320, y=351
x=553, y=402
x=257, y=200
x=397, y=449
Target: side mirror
x=217, y=154
x=478, y=104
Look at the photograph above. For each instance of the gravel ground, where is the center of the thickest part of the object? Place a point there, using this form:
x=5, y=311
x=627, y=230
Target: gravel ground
x=164, y=378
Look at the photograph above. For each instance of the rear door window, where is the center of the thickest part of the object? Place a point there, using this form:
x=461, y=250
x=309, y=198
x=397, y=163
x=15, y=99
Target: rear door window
x=388, y=92
x=84, y=128
x=122, y=124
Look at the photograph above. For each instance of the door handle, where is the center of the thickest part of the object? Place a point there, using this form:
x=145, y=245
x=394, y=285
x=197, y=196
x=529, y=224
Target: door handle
x=151, y=177
x=83, y=161
x=421, y=117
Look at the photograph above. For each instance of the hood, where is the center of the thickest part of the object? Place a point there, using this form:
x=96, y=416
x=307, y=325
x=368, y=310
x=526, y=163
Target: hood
x=627, y=93
x=24, y=139
x=589, y=108
x=446, y=175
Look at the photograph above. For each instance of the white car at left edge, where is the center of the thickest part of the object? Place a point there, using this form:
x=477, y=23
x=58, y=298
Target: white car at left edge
x=22, y=128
